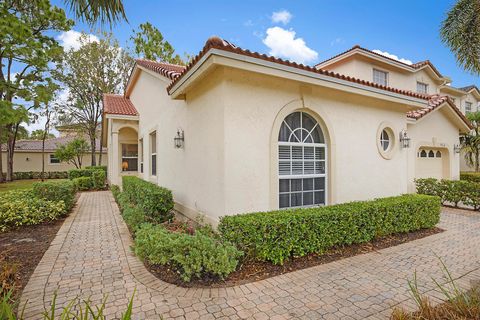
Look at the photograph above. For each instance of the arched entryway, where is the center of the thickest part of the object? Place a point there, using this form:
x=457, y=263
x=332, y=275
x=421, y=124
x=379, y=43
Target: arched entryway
x=302, y=162
x=128, y=150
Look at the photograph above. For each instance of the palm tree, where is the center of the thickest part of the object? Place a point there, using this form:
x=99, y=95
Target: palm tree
x=93, y=11
x=460, y=31
x=471, y=142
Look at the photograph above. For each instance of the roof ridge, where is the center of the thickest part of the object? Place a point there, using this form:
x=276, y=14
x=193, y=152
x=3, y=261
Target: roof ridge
x=160, y=62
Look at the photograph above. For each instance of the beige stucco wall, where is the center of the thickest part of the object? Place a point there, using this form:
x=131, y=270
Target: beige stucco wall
x=34, y=162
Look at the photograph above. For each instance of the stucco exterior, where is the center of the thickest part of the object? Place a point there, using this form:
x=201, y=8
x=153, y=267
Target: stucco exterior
x=230, y=112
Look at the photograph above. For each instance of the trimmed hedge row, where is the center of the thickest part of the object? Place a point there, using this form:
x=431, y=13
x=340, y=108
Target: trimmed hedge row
x=470, y=176
x=451, y=191
x=43, y=202
x=279, y=235
x=88, y=179
x=104, y=168
x=155, y=202
x=27, y=175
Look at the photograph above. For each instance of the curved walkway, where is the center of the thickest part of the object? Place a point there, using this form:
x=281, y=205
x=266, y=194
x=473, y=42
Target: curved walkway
x=91, y=257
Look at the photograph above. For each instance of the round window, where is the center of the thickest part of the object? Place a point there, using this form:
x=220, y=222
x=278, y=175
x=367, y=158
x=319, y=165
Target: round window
x=386, y=141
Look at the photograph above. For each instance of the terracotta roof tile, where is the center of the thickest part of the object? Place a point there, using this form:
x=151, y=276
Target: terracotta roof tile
x=434, y=102
x=171, y=71
x=220, y=44
x=118, y=104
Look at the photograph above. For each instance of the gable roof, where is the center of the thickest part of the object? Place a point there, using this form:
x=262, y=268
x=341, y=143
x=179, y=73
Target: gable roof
x=168, y=70
x=50, y=144
x=434, y=103
x=469, y=88
x=118, y=104
x=414, y=66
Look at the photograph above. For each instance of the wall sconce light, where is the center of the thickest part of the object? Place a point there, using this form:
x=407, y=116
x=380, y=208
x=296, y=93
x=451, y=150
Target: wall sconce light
x=404, y=139
x=28, y=159
x=179, y=139
x=457, y=148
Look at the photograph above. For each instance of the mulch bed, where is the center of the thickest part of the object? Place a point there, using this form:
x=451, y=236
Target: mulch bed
x=25, y=246
x=251, y=271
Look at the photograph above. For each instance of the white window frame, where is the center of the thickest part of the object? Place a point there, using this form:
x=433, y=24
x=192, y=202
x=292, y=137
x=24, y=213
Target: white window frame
x=292, y=176
x=375, y=70
x=129, y=157
x=50, y=160
x=153, y=134
x=383, y=140
x=140, y=155
x=468, y=103
x=421, y=84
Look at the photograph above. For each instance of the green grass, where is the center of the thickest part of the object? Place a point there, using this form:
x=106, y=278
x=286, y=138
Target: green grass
x=20, y=184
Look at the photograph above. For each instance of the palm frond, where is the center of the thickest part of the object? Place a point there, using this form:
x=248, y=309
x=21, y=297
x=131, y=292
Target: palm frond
x=98, y=11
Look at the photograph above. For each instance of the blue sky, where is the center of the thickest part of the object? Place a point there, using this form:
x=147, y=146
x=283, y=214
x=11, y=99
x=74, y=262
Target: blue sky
x=408, y=29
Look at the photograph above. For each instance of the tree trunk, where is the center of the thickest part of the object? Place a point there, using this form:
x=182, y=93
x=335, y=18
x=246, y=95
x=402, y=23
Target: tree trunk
x=92, y=146
x=10, y=152
x=100, y=155
x=1, y=158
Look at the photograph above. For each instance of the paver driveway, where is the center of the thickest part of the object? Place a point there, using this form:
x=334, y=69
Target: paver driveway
x=91, y=257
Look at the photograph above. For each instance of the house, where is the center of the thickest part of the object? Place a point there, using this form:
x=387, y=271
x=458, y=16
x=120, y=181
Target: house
x=237, y=131
x=28, y=153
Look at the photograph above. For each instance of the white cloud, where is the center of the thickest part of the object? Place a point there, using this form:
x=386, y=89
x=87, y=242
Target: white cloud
x=282, y=16
x=71, y=39
x=392, y=56
x=337, y=41
x=248, y=23
x=283, y=44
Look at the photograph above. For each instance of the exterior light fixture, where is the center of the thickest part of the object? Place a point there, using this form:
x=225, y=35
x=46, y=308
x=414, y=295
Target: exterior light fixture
x=457, y=148
x=404, y=139
x=179, y=139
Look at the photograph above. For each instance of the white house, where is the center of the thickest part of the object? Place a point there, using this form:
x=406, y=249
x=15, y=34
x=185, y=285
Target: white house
x=237, y=131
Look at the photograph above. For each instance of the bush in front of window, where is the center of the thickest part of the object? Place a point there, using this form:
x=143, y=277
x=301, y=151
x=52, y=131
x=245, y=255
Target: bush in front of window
x=83, y=183
x=280, y=235
x=56, y=191
x=194, y=255
x=24, y=175
x=156, y=202
x=451, y=191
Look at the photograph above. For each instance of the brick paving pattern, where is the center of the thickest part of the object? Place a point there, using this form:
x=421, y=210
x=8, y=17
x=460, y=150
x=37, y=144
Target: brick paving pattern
x=91, y=258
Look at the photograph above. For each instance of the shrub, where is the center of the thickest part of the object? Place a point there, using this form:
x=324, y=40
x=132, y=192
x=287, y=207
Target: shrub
x=451, y=191
x=428, y=186
x=470, y=176
x=98, y=179
x=83, y=183
x=156, y=202
x=56, y=191
x=21, y=207
x=77, y=173
x=104, y=168
x=115, y=191
x=23, y=175
x=278, y=235
x=191, y=255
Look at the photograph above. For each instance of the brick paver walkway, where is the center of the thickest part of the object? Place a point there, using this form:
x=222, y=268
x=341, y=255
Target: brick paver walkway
x=91, y=257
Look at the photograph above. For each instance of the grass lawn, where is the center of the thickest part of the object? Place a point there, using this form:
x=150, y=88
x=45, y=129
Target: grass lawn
x=19, y=184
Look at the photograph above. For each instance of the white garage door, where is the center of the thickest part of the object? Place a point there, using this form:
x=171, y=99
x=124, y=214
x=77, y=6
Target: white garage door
x=429, y=164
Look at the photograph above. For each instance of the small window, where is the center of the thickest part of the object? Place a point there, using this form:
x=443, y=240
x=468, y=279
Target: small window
x=380, y=77
x=153, y=153
x=422, y=87
x=129, y=157
x=54, y=160
x=438, y=154
x=468, y=107
x=385, y=140
x=423, y=154
x=140, y=154
x=431, y=154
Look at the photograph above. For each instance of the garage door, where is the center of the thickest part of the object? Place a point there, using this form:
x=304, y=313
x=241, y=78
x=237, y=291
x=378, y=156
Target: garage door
x=429, y=163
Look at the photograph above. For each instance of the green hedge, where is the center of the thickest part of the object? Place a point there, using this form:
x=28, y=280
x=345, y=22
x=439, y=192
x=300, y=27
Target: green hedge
x=83, y=183
x=22, y=207
x=191, y=255
x=451, y=191
x=104, y=168
x=278, y=235
x=156, y=202
x=78, y=173
x=99, y=179
x=56, y=191
x=26, y=175
x=470, y=176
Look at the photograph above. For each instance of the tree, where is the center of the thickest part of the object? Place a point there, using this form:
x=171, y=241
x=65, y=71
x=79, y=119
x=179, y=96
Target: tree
x=89, y=72
x=470, y=142
x=150, y=44
x=73, y=152
x=41, y=134
x=48, y=114
x=27, y=46
x=460, y=31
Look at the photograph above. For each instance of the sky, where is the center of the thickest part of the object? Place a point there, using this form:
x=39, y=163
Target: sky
x=303, y=31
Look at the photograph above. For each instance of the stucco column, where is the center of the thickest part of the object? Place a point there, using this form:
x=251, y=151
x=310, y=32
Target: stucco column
x=113, y=162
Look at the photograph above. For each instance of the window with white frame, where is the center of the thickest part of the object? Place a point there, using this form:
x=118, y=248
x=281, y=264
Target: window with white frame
x=140, y=154
x=385, y=140
x=53, y=160
x=129, y=157
x=468, y=107
x=153, y=153
x=422, y=87
x=380, y=77
x=302, y=162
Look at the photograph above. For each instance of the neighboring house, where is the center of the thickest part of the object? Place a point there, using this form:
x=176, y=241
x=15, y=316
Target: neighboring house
x=28, y=154
x=237, y=131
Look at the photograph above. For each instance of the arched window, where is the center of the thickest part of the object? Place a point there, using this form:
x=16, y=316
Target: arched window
x=423, y=154
x=438, y=154
x=431, y=154
x=302, y=162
